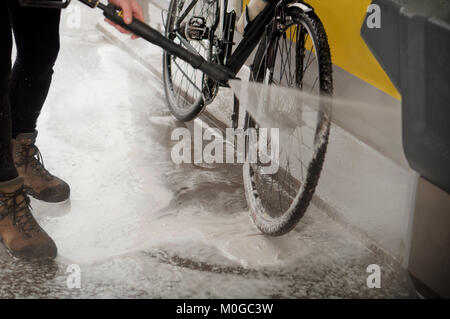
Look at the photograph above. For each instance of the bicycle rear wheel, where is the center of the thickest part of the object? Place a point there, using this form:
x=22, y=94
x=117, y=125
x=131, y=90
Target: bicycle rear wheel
x=187, y=89
x=297, y=56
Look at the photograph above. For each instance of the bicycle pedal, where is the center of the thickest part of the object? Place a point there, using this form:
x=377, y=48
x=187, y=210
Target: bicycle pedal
x=196, y=29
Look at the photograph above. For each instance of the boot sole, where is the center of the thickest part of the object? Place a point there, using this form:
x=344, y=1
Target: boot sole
x=21, y=258
x=36, y=196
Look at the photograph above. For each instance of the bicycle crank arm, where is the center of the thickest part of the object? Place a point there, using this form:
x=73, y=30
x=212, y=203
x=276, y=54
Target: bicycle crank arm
x=139, y=28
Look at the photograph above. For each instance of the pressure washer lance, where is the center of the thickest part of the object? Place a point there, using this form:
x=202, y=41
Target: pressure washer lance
x=115, y=14
x=49, y=4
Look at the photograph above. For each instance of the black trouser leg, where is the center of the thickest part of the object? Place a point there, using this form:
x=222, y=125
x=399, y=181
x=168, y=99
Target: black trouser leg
x=7, y=169
x=24, y=90
x=36, y=32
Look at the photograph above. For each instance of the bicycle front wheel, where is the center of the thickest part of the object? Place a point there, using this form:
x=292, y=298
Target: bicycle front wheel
x=296, y=56
x=190, y=24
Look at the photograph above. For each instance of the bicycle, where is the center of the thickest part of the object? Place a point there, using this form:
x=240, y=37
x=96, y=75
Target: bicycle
x=188, y=90
x=198, y=60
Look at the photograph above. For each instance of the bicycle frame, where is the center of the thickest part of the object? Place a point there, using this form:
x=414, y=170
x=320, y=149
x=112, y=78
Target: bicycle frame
x=218, y=72
x=251, y=37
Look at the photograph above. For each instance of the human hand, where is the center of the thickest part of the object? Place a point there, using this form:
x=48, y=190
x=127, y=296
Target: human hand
x=130, y=9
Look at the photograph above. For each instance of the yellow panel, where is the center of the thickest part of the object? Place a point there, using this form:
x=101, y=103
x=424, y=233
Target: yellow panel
x=343, y=20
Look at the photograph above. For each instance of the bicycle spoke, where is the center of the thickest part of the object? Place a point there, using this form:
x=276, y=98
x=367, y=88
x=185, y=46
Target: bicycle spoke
x=315, y=82
x=186, y=12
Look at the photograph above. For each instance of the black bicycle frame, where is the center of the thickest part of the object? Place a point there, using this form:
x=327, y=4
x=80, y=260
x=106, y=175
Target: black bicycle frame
x=252, y=37
x=216, y=71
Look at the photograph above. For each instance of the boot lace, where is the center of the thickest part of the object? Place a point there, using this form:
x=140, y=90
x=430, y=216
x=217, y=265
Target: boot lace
x=19, y=210
x=32, y=157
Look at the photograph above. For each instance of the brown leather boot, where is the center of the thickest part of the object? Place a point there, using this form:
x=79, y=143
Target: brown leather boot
x=19, y=231
x=39, y=183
